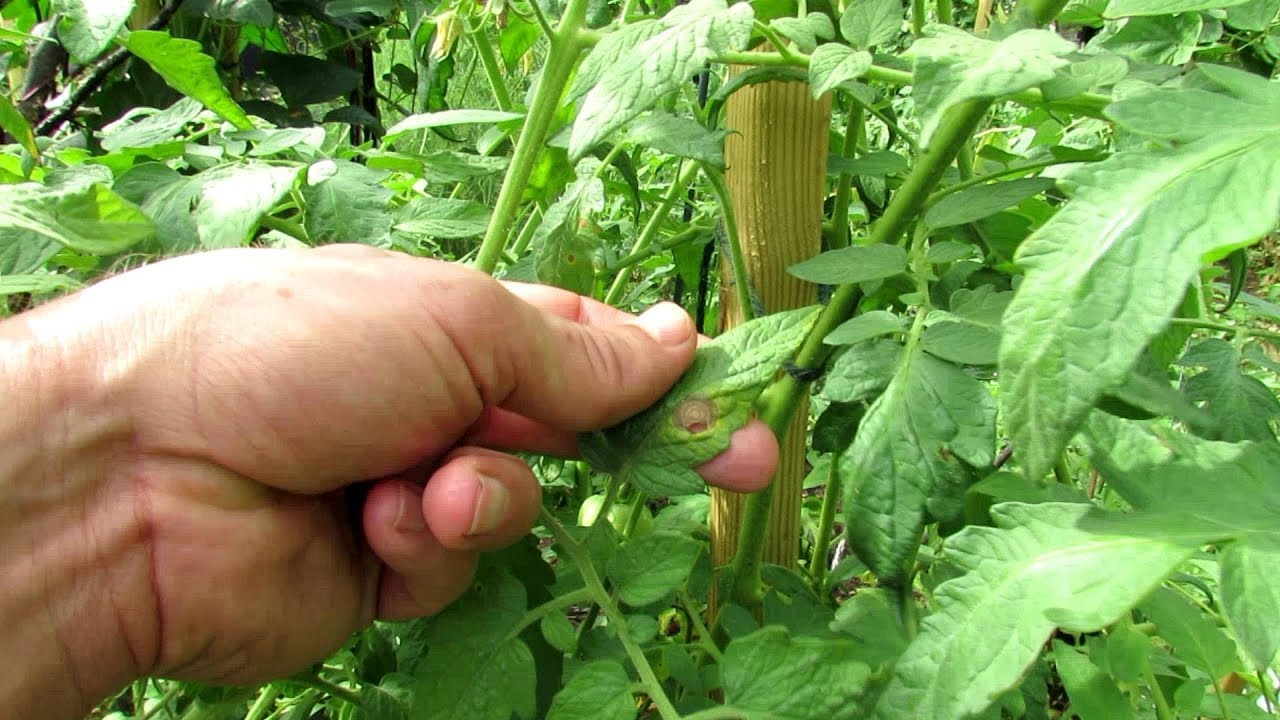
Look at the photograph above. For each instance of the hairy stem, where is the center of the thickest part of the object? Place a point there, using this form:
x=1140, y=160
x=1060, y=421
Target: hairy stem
x=656, y=221
x=580, y=558
x=741, y=280
x=489, y=61
x=566, y=47
x=567, y=600
x=826, y=523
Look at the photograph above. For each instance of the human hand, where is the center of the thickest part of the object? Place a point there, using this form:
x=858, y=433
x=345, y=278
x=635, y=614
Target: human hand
x=240, y=400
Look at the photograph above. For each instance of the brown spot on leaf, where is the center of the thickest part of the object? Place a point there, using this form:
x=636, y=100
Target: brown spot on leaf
x=695, y=415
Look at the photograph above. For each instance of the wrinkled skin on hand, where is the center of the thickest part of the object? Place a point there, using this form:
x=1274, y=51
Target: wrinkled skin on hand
x=266, y=450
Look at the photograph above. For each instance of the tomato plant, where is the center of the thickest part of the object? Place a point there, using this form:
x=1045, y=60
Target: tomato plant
x=1039, y=446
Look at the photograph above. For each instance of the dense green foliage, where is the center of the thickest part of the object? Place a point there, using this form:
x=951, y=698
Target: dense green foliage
x=1046, y=398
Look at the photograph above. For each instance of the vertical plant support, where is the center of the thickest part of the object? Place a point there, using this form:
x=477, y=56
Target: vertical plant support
x=777, y=156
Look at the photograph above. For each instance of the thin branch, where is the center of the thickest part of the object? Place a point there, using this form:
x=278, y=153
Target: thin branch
x=99, y=75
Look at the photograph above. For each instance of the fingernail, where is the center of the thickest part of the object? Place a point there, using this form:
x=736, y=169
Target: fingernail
x=491, y=506
x=409, y=515
x=667, y=323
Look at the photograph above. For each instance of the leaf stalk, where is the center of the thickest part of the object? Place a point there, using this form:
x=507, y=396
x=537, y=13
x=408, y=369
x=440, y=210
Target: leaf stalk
x=566, y=48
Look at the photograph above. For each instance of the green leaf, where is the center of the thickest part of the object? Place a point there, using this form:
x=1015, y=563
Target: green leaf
x=449, y=118
x=1105, y=272
x=868, y=23
x=141, y=128
x=473, y=669
x=1094, y=695
x=1250, y=583
x=563, y=254
x=1129, y=8
x=856, y=264
x=952, y=66
x=443, y=218
x=805, y=31
x=612, y=49
x=1159, y=40
x=1254, y=15
x=254, y=12
x=346, y=202
x=1038, y=570
x=185, y=68
x=862, y=371
x=876, y=164
x=1240, y=407
x=233, y=201
x=648, y=568
x=833, y=65
x=37, y=284
x=15, y=123
x=690, y=36
x=1195, y=638
x=865, y=327
x=85, y=217
x=871, y=619
x=679, y=136
x=304, y=80
x=559, y=632
x=962, y=342
x=658, y=449
x=908, y=459
x=981, y=201
x=88, y=26
x=771, y=675
x=1230, y=491
x=599, y=691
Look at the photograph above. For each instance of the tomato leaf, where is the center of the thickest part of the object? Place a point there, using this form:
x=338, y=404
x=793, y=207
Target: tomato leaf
x=1040, y=566
x=908, y=459
x=658, y=449
x=186, y=68
x=598, y=691
x=769, y=674
x=1104, y=274
x=88, y=27
x=687, y=37
x=952, y=66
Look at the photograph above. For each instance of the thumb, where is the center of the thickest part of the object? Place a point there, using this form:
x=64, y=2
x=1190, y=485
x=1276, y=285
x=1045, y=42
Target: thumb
x=586, y=365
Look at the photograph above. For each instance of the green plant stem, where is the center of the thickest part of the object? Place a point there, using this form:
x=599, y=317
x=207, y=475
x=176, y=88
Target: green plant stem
x=489, y=62
x=580, y=558
x=675, y=241
x=346, y=695
x=292, y=228
x=779, y=401
x=611, y=491
x=262, y=706
x=675, y=194
x=844, y=186
x=1222, y=327
x=541, y=17
x=741, y=280
x=1268, y=691
x=637, y=507
x=918, y=17
x=525, y=236
x=170, y=693
x=1087, y=104
x=826, y=523
x=946, y=14
x=1163, y=711
x=569, y=599
x=700, y=627
x=566, y=47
